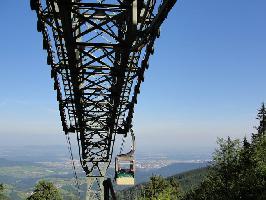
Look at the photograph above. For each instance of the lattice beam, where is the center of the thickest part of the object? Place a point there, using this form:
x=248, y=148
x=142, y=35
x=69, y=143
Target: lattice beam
x=98, y=51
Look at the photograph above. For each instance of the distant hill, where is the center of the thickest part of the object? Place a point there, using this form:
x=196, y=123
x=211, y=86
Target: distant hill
x=175, y=169
x=169, y=170
x=192, y=178
x=187, y=180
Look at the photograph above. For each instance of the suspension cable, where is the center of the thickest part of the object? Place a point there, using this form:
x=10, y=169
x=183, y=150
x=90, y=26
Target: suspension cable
x=77, y=184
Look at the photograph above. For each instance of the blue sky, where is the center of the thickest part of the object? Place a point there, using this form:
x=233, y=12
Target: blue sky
x=206, y=78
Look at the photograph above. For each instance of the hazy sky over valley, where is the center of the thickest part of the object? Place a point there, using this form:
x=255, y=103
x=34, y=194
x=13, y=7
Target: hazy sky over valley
x=206, y=78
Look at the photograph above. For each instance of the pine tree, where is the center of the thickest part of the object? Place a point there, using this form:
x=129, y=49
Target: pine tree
x=261, y=129
x=259, y=157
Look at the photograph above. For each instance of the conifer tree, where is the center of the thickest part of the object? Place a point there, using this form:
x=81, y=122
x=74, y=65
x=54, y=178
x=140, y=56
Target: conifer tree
x=261, y=129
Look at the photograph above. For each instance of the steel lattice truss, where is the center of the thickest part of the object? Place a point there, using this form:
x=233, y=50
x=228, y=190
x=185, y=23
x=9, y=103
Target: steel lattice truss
x=98, y=51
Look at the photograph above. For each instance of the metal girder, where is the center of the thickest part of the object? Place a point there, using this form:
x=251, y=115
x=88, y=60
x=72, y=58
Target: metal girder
x=98, y=51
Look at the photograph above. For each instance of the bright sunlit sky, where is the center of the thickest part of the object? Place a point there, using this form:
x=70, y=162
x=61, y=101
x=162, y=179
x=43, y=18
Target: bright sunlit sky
x=206, y=78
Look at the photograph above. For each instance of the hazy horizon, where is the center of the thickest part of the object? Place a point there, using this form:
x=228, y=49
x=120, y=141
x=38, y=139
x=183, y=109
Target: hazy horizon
x=206, y=78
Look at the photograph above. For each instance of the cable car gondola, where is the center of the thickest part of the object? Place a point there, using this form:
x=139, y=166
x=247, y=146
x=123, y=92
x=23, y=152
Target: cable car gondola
x=125, y=166
x=125, y=169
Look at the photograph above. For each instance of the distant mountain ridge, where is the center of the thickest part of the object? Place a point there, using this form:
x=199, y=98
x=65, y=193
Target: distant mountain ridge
x=169, y=170
x=188, y=179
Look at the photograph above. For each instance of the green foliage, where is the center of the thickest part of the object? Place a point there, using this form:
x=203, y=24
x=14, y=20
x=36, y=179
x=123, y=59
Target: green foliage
x=238, y=171
x=1, y=188
x=262, y=123
x=45, y=191
x=159, y=188
x=183, y=182
x=191, y=179
x=2, y=196
x=260, y=156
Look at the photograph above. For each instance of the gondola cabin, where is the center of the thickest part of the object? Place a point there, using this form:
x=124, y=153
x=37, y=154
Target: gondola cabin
x=125, y=169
